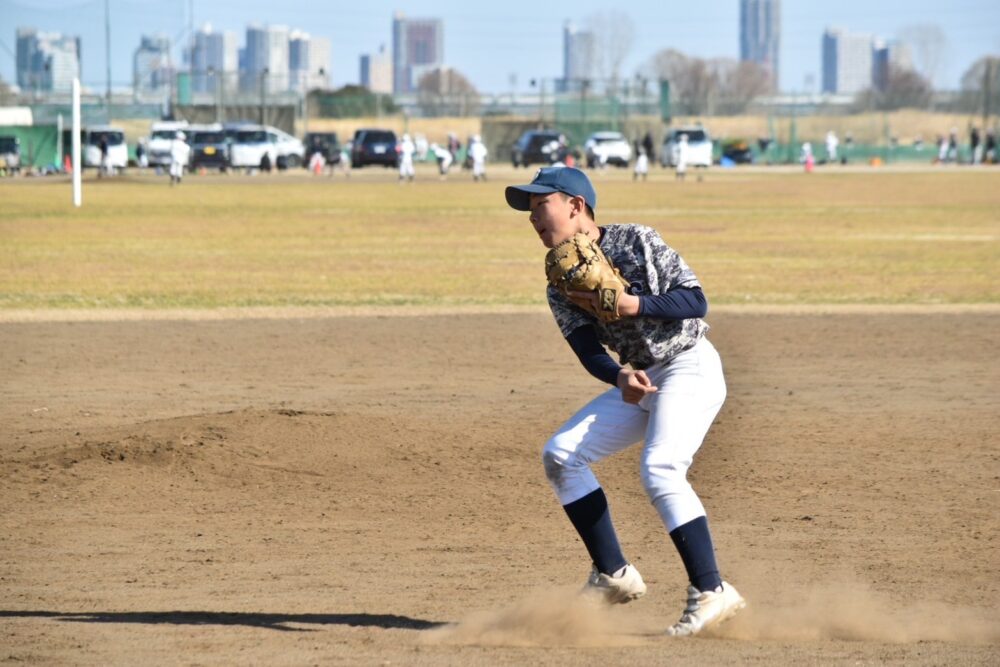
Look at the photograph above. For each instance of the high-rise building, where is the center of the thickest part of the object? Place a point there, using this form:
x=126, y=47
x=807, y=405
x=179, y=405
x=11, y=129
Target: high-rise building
x=417, y=48
x=376, y=71
x=308, y=61
x=847, y=61
x=265, y=64
x=47, y=61
x=214, y=60
x=889, y=56
x=760, y=34
x=579, y=57
x=152, y=68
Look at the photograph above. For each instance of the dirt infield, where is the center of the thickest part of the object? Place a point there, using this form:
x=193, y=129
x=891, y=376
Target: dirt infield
x=366, y=489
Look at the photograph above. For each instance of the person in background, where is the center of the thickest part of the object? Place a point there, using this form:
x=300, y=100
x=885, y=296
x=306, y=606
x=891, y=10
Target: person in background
x=454, y=145
x=647, y=143
x=444, y=159
x=478, y=153
x=976, y=145
x=105, y=168
x=344, y=161
x=831, y=146
x=406, y=150
x=680, y=169
x=953, y=145
x=317, y=162
x=641, y=165
x=180, y=155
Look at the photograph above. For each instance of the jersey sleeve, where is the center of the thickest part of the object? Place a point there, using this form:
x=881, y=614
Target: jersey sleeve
x=665, y=268
x=568, y=316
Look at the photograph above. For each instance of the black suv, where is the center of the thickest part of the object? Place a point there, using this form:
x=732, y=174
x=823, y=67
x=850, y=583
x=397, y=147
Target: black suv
x=209, y=148
x=533, y=148
x=374, y=147
x=10, y=154
x=324, y=143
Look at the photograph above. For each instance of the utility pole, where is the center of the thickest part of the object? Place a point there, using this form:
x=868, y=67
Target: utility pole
x=987, y=81
x=191, y=43
x=107, y=51
x=263, y=84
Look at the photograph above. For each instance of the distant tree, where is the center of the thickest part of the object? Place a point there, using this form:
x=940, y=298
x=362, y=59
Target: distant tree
x=349, y=102
x=446, y=91
x=7, y=96
x=699, y=86
x=739, y=83
x=687, y=77
x=981, y=86
x=930, y=48
x=614, y=36
x=905, y=89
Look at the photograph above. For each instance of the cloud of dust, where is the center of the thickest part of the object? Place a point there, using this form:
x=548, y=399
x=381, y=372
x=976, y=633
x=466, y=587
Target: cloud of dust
x=854, y=612
x=557, y=617
x=846, y=611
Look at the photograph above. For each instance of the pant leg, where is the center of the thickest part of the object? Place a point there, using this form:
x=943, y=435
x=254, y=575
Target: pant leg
x=602, y=427
x=691, y=390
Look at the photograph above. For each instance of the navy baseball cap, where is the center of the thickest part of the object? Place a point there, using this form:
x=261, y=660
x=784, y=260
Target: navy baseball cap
x=568, y=180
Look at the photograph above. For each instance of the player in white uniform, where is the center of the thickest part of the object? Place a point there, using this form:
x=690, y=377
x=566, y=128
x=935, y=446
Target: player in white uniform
x=682, y=158
x=831, y=146
x=406, y=150
x=180, y=155
x=641, y=165
x=478, y=153
x=668, y=397
x=444, y=159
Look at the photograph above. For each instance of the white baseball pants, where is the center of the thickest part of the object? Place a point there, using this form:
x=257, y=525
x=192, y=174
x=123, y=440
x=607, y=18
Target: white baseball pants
x=406, y=167
x=673, y=422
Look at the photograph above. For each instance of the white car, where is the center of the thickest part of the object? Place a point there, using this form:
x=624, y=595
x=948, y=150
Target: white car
x=258, y=146
x=699, y=147
x=113, y=138
x=161, y=136
x=607, y=148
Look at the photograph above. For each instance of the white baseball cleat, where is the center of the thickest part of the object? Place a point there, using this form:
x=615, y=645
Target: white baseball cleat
x=707, y=609
x=624, y=586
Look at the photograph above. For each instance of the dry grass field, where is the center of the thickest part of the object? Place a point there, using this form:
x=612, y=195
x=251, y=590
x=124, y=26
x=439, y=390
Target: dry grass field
x=755, y=237
x=289, y=420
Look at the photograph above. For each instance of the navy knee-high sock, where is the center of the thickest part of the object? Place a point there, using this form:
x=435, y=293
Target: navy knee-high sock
x=694, y=544
x=592, y=520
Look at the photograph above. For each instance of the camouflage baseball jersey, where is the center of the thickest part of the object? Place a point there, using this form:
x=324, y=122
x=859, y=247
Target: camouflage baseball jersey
x=650, y=267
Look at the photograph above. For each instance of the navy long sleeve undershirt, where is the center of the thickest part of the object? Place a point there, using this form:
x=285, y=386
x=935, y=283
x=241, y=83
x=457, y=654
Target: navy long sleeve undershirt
x=680, y=303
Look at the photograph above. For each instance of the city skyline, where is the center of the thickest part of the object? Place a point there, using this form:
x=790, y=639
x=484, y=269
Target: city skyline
x=500, y=51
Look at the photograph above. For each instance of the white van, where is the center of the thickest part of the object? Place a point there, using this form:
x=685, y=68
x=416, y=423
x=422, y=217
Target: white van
x=251, y=144
x=161, y=134
x=699, y=147
x=114, y=137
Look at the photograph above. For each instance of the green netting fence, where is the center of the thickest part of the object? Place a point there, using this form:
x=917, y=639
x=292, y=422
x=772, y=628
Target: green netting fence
x=39, y=145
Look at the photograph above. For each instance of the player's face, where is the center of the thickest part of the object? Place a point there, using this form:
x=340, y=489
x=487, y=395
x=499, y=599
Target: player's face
x=555, y=217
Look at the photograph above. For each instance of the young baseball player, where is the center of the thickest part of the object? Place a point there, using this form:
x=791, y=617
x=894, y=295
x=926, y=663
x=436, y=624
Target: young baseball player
x=666, y=390
x=406, y=149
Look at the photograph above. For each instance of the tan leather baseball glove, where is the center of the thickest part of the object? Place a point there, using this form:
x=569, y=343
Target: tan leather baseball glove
x=579, y=265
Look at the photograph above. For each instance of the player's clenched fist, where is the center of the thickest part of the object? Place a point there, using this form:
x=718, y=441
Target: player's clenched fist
x=634, y=385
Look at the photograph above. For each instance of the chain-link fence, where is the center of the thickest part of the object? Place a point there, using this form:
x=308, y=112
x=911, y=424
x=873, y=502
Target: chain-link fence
x=763, y=129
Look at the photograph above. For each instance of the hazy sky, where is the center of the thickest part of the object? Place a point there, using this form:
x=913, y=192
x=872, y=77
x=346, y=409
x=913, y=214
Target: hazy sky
x=493, y=42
